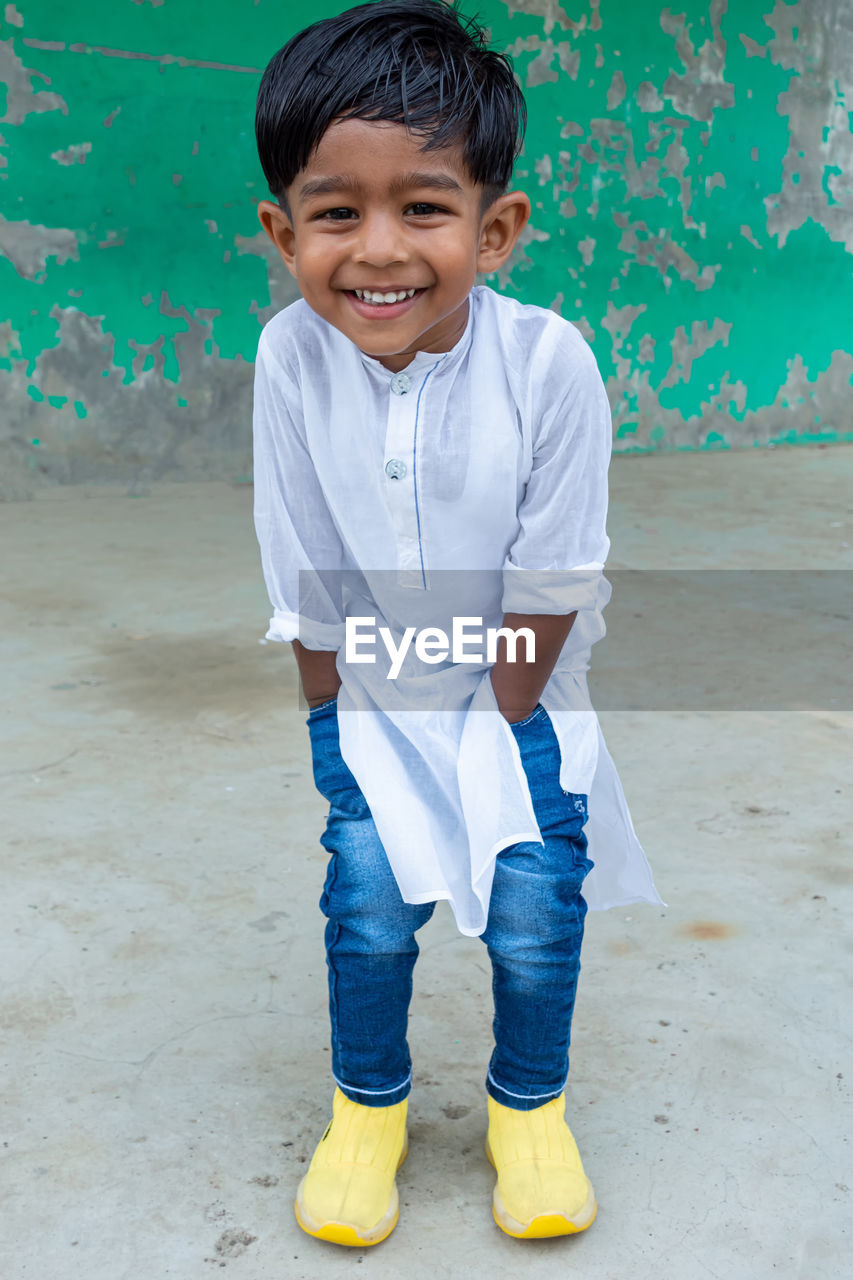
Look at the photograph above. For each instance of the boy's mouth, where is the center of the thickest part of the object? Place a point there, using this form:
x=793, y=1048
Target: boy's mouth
x=379, y=298
x=386, y=303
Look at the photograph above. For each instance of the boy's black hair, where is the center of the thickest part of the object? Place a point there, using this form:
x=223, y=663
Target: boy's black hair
x=413, y=62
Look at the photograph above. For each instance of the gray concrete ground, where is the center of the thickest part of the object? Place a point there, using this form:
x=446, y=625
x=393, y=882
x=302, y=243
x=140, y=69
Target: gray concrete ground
x=165, y=1041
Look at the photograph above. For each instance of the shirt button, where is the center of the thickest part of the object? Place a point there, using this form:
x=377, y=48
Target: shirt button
x=400, y=384
x=395, y=469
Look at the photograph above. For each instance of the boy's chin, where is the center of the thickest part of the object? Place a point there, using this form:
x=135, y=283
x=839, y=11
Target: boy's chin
x=351, y=318
x=394, y=361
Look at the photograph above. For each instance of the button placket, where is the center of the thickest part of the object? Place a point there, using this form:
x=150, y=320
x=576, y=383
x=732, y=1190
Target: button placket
x=400, y=470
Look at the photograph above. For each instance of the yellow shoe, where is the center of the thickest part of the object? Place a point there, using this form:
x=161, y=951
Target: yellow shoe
x=348, y=1195
x=542, y=1189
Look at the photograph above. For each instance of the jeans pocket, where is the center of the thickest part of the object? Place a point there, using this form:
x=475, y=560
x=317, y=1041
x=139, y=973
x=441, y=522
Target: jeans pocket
x=324, y=708
x=537, y=712
x=332, y=776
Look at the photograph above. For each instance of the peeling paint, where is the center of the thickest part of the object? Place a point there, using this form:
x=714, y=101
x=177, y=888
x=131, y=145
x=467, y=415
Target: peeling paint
x=714, y=180
x=746, y=232
x=817, y=181
x=549, y=10
x=689, y=167
x=587, y=249
x=702, y=88
x=686, y=350
x=551, y=59
x=75, y=154
x=519, y=259
x=617, y=91
x=648, y=98
x=666, y=155
x=21, y=98
x=280, y=283
x=660, y=250
x=29, y=245
x=137, y=55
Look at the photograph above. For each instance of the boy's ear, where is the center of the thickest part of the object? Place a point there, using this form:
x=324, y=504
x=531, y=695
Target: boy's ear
x=277, y=225
x=503, y=222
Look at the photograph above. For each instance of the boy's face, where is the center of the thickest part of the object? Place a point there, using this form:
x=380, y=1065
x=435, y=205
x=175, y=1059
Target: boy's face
x=373, y=213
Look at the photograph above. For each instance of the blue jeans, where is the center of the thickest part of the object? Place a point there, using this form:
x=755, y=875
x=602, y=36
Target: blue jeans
x=533, y=933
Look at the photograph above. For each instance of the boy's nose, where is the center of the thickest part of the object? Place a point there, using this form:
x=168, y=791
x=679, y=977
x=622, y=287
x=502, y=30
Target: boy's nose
x=382, y=241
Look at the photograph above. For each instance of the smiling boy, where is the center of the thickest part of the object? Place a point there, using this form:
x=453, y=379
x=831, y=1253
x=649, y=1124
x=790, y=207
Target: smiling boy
x=412, y=426
x=430, y=254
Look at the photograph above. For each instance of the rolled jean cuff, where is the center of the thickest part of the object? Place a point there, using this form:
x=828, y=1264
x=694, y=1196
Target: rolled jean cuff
x=517, y=1100
x=377, y=1097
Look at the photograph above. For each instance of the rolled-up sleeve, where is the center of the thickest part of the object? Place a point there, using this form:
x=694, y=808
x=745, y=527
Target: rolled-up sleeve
x=301, y=550
x=555, y=563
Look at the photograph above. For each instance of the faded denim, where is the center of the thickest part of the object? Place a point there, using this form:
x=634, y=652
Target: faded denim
x=533, y=934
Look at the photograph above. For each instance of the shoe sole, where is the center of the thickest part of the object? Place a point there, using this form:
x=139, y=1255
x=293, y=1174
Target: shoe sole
x=347, y=1233
x=544, y=1225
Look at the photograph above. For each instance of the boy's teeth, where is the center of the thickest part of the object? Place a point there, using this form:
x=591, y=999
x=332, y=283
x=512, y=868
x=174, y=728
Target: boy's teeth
x=379, y=299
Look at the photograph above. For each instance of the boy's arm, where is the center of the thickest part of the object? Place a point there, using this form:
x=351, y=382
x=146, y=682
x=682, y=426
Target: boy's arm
x=518, y=685
x=318, y=672
x=553, y=568
x=300, y=547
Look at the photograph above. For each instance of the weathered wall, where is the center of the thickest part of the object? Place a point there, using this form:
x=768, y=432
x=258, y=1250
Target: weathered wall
x=691, y=171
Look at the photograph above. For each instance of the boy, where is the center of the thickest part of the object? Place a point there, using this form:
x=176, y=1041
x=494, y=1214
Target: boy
x=428, y=452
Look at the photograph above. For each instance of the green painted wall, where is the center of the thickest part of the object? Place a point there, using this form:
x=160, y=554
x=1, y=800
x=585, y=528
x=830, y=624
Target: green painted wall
x=691, y=175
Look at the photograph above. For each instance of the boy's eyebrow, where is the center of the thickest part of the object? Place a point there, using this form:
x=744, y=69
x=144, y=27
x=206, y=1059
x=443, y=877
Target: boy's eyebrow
x=341, y=182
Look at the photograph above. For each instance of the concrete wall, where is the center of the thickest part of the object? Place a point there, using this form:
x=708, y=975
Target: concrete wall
x=691, y=171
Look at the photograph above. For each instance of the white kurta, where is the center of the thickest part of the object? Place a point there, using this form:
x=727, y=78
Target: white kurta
x=475, y=481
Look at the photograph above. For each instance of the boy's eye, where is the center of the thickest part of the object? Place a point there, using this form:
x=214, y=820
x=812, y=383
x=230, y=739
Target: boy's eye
x=337, y=215
x=341, y=213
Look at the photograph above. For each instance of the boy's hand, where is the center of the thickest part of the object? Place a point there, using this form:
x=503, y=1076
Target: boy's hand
x=518, y=685
x=318, y=672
